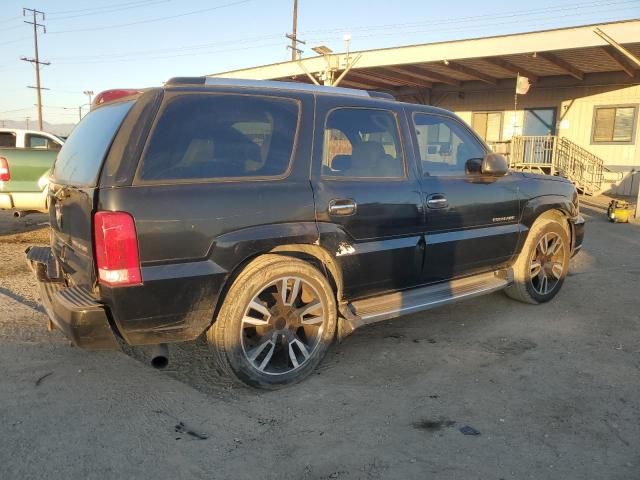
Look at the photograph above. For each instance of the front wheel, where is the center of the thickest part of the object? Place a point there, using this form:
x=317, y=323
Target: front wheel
x=276, y=323
x=543, y=263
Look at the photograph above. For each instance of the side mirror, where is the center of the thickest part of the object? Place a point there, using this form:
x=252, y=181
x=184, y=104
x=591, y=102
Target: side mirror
x=495, y=165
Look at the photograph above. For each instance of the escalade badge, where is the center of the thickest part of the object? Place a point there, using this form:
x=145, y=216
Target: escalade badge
x=504, y=219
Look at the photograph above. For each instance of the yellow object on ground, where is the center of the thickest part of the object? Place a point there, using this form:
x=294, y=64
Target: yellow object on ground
x=619, y=211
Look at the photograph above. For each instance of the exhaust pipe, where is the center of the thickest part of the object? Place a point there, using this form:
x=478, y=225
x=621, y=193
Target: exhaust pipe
x=160, y=356
x=23, y=213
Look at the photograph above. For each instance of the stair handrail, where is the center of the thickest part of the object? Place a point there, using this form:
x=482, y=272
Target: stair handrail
x=579, y=165
x=568, y=158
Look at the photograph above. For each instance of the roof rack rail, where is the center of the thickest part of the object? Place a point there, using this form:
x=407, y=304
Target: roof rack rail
x=186, y=81
x=375, y=94
x=274, y=84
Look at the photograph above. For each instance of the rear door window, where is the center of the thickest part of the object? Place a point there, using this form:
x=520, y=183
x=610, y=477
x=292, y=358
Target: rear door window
x=362, y=143
x=82, y=155
x=221, y=136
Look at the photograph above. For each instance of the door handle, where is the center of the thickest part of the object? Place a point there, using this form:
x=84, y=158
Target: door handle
x=437, y=200
x=342, y=207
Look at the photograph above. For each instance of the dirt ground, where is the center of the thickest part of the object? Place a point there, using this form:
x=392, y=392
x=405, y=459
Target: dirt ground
x=553, y=390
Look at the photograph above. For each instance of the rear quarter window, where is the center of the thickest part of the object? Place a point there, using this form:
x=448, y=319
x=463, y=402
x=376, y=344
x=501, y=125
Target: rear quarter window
x=81, y=157
x=7, y=140
x=216, y=136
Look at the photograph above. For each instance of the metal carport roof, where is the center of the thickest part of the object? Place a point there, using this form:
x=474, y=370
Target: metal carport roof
x=574, y=52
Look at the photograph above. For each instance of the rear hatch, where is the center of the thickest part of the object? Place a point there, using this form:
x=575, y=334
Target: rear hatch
x=73, y=189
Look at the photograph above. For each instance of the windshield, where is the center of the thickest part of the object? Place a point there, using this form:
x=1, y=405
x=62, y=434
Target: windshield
x=81, y=157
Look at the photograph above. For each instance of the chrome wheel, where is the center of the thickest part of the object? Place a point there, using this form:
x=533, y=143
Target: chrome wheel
x=547, y=263
x=282, y=326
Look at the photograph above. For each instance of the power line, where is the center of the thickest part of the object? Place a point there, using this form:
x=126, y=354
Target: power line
x=470, y=32
x=158, y=19
x=17, y=110
x=56, y=106
x=163, y=57
x=171, y=50
x=146, y=53
x=140, y=3
x=110, y=10
x=538, y=22
x=36, y=61
x=454, y=20
x=14, y=27
x=11, y=19
x=10, y=90
x=68, y=92
x=15, y=41
x=436, y=28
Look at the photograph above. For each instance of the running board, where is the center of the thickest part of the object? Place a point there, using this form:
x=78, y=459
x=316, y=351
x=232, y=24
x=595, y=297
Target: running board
x=395, y=304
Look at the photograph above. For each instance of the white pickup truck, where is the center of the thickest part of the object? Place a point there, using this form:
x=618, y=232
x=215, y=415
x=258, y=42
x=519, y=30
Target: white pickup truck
x=26, y=157
x=21, y=138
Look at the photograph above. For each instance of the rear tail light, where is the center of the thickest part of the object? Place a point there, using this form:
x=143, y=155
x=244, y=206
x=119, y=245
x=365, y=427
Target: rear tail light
x=116, y=249
x=5, y=174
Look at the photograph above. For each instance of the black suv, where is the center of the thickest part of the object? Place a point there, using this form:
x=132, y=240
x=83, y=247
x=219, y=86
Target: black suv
x=273, y=217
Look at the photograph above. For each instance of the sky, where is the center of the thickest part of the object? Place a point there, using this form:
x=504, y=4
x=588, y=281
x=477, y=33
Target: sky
x=101, y=44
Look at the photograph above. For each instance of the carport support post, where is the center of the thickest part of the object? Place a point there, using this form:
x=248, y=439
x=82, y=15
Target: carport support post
x=346, y=70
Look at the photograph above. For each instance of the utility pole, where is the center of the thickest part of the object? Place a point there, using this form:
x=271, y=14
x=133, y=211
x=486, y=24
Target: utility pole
x=88, y=93
x=27, y=120
x=293, y=36
x=36, y=61
x=80, y=108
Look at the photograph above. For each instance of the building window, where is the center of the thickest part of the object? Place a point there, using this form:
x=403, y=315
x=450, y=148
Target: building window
x=488, y=125
x=614, y=124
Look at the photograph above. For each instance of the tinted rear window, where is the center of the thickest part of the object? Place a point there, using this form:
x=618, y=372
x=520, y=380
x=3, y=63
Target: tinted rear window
x=81, y=156
x=7, y=139
x=221, y=136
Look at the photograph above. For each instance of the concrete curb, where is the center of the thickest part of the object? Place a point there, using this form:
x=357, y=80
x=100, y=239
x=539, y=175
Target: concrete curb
x=594, y=204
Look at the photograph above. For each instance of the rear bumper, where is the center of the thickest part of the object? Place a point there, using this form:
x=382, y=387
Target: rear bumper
x=23, y=201
x=72, y=309
x=6, y=201
x=578, y=234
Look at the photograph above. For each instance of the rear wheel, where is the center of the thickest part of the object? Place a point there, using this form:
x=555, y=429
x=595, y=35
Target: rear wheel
x=276, y=323
x=543, y=263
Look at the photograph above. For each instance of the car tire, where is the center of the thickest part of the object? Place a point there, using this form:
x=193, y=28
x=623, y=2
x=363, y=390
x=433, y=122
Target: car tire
x=276, y=323
x=543, y=263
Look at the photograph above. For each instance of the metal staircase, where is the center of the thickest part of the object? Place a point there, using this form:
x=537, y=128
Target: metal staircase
x=552, y=155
